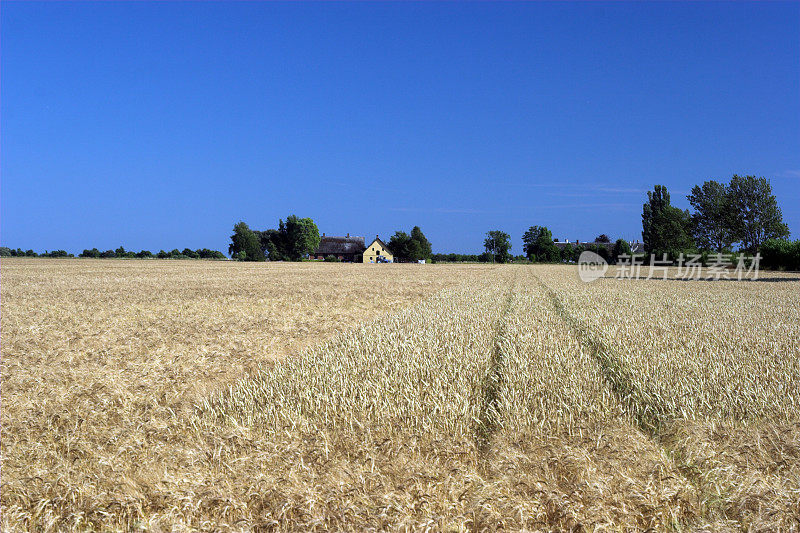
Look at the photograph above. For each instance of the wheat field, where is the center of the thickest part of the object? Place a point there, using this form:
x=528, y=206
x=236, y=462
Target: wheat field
x=204, y=396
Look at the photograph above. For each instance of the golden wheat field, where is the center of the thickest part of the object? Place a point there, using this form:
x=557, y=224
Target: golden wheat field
x=219, y=396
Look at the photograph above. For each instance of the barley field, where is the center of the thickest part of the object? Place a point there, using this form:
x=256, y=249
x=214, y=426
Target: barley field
x=205, y=396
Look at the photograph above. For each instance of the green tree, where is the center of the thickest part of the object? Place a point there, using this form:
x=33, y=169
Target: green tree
x=756, y=216
x=419, y=247
x=302, y=237
x=497, y=245
x=602, y=238
x=272, y=244
x=621, y=247
x=245, y=241
x=94, y=252
x=713, y=224
x=539, y=245
x=400, y=245
x=665, y=228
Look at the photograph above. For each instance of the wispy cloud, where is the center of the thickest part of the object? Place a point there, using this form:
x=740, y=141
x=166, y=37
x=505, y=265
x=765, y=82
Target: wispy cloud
x=586, y=189
x=592, y=205
x=789, y=174
x=455, y=210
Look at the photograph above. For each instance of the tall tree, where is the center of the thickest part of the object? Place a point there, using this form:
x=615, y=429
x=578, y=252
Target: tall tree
x=756, y=215
x=713, y=220
x=245, y=244
x=272, y=244
x=302, y=237
x=400, y=245
x=539, y=245
x=419, y=246
x=602, y=238
x=665, y=228
x=497, y=245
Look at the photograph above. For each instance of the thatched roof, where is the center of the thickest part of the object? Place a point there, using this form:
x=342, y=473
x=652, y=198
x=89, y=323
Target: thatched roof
x=340, y=245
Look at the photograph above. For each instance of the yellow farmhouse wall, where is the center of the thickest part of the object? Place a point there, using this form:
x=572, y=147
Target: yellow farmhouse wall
x=374, y=250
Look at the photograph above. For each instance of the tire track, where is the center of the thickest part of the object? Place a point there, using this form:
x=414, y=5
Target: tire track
x=649, y=414
x=489, y=421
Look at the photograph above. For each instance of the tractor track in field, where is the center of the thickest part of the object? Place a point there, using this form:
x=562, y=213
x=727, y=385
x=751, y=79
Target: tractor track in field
x=649, y=415
x=489, y=417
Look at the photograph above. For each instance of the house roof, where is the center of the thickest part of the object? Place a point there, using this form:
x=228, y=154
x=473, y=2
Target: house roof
x=340, y=245
x=379, y=241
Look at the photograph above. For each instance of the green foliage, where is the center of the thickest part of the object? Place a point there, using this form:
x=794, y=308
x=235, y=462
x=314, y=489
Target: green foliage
x=399, y=245
x=122, y=253
x=539, y=245
x=331, y=259
x=57, y=254
x=244, y=241
x=665, y=228
x=294, y=239
x=603, y=238
x=756, y=215
x=419, y=246
x=205, y=253
x=780, y=254
x=712, y=220
x=497, y=244
x=413, y=247
x=94, y=253
x=302, y=237
x=108, y=254
x=744, y=211
x=567, y=252
x=5, y=251
x=621, y=247
x=144, y=254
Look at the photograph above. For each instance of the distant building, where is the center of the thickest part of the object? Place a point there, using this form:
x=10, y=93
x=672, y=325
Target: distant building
x=378, y=252
x=347, y=248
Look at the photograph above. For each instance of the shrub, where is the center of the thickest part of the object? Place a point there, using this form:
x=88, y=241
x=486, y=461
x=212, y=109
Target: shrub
x=780, y=254
x=94, y=252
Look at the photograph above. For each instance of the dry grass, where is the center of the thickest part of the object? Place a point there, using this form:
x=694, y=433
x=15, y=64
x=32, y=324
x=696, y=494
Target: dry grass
x=448, y=398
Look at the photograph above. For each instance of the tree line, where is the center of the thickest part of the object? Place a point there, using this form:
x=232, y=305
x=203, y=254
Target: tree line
x=297, y=238
x=291, y=241
x=741, y=215
x=119, y=253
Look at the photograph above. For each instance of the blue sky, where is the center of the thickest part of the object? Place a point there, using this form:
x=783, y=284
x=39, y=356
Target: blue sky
x=160, y=125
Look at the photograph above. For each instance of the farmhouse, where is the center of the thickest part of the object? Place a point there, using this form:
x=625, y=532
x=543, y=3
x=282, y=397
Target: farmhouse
x=345, y=248
x=378, y=252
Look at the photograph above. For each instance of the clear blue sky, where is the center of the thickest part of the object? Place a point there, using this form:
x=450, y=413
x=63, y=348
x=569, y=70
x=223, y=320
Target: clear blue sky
x=160, y=125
